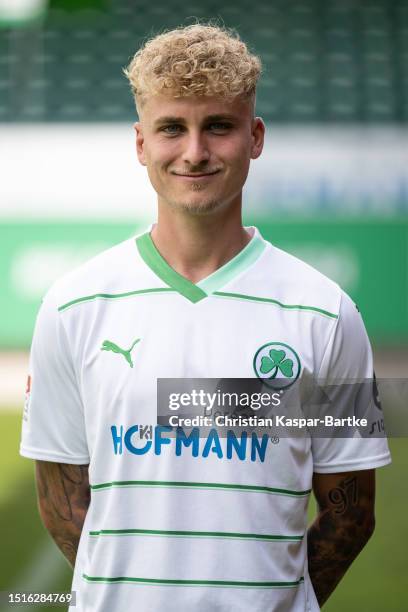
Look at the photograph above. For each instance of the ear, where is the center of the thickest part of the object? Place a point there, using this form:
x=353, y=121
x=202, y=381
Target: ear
x=139, y=142
x=258, y=137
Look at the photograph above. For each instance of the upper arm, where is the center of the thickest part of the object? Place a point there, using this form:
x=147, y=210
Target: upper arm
x=54, y=427
x=348, y=496
x=346, y=379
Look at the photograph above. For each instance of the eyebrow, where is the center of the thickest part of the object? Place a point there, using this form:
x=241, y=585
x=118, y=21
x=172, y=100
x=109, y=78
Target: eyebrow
x=221, y=117
x=208, y=119
x=161, y=120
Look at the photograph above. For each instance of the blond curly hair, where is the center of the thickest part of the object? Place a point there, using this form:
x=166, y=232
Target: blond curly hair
x=196, y=60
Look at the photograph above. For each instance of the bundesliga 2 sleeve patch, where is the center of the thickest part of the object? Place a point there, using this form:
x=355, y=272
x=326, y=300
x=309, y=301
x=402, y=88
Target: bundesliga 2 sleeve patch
x=27, y=398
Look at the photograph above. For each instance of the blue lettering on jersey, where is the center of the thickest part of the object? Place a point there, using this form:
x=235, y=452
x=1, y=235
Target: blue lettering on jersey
x=242, y=447
x=117, y=439
x=191, y=440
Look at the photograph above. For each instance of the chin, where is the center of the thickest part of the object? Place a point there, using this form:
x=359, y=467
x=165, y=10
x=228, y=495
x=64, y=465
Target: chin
x=197, y=207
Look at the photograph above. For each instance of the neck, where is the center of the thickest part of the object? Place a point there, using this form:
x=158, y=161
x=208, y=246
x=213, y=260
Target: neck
x=197, y=245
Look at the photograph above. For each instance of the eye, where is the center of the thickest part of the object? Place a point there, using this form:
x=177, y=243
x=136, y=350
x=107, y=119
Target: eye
x=220, y=127
x=172, y=129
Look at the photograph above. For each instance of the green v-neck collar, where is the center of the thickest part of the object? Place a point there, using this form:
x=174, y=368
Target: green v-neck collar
x=206, y=286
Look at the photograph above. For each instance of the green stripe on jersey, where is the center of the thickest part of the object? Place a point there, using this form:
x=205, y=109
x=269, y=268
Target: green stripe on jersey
x=218, y=294
x=170, y=484
x=253, y=298
x=113, y=296
x=197, y=534
x=213, y=583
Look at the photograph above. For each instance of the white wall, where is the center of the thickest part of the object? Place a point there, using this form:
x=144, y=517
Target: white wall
x=91, y=171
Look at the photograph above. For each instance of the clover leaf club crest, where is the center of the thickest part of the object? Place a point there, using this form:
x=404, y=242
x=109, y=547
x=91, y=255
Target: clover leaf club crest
x=276, y=361
x=277, y=364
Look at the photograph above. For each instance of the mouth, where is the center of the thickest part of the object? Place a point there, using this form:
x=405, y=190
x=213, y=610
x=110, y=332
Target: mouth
x=195, y=176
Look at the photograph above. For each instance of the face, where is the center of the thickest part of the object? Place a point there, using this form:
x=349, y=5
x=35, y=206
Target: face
x=197, y=150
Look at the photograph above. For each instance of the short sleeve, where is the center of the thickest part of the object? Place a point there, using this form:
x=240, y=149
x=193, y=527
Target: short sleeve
x=347, y=371
x=53, y=422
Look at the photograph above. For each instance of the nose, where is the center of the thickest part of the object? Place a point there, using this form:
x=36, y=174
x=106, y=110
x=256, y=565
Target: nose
x=196, y=149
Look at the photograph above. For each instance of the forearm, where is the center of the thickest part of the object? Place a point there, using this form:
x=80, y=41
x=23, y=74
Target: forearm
x=333, y=545
x=63, y=500
x=344, y=524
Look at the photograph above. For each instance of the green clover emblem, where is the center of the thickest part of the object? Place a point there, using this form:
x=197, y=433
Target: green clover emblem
x=277, y=364
x=276, y=361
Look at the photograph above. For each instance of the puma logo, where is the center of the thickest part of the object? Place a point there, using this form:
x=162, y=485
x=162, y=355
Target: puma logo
x=107, y=345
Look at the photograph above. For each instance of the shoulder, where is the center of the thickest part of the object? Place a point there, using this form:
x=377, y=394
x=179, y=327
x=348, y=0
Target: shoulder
x=292, y=282
x=116, y=270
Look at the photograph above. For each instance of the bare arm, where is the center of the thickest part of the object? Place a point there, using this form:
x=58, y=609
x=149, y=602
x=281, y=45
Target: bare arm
x=63, y=500
x=344, y=524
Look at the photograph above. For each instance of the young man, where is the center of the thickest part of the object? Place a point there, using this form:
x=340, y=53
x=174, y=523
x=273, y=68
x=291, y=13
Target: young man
x=195, y=521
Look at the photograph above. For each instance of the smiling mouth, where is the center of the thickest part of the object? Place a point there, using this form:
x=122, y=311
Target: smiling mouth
x=195, y=176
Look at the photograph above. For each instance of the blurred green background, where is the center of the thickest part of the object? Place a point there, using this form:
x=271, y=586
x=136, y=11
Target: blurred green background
x=330, y=187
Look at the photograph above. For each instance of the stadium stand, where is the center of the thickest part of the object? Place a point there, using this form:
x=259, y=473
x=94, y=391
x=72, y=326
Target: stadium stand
x=324, y=60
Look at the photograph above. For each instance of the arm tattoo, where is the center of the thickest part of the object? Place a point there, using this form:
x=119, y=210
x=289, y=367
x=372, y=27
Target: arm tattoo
x=341, y=529
x=344, y=496
x=63, y=499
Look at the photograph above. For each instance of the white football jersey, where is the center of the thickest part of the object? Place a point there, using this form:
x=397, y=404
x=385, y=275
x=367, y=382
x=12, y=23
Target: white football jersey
x=204, y=523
